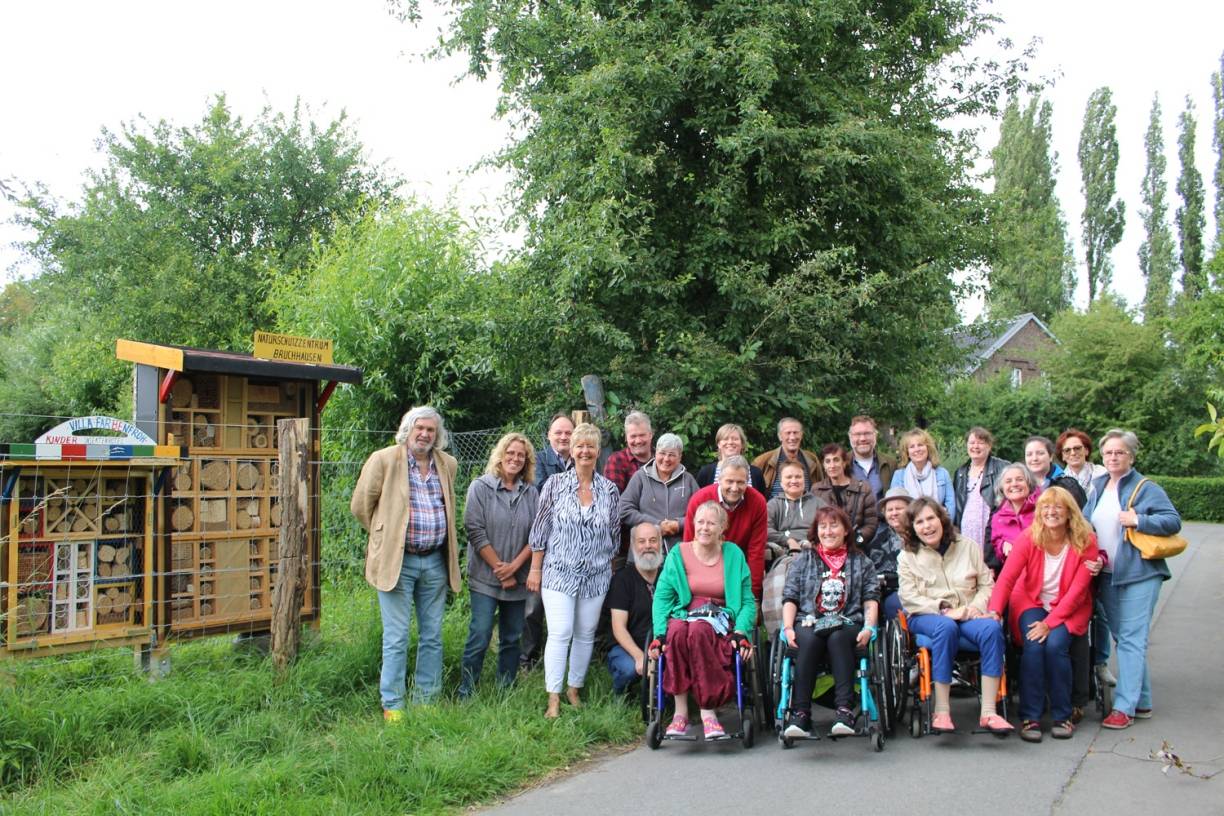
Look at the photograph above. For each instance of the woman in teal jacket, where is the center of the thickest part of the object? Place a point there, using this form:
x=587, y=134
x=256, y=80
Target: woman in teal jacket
x=703, y=608
x=1130, y=584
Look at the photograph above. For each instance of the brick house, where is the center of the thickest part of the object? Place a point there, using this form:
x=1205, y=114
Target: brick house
x=1013, y=346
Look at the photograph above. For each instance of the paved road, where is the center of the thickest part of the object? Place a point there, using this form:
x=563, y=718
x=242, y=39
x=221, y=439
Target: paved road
x=1099, y=771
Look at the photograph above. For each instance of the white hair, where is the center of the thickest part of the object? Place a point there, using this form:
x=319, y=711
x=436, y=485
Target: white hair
x=637, y=418
x=669, y=441
x=1127, y=438
x=423, y=412
x=736, y=461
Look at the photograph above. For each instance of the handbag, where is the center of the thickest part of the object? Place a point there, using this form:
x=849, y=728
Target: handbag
x=1152, y=546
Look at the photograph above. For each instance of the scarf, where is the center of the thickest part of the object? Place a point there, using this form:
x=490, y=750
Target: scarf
x=921, y=484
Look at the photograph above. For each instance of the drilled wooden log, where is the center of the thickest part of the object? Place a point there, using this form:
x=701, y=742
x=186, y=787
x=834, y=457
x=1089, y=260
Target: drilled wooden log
x=274, y=514
x=242, y=521
x=104, y=605
x=112, y=524
x=33, y=615
x=215, y=474
x=80, y=524
x=259, y=440
x=180, y=393
x=106, y=553
x=214, y=511
x=182, y=518
x=182, y=478
x=248, y=477
x=105, y=570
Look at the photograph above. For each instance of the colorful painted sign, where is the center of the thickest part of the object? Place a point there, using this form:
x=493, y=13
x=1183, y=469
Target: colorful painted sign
x=66, y=442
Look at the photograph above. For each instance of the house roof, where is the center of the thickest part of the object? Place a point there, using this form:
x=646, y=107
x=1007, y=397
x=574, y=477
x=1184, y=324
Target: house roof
x=185, y=358
x=982, y=341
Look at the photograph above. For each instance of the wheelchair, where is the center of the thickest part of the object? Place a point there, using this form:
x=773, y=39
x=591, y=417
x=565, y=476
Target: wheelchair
x=1102, y=694
x=966, y=672
x=871, y=682
x=751, y=703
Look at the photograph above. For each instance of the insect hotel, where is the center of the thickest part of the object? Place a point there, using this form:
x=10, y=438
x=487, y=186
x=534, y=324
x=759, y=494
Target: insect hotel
x=79, y=537
x=217, y=573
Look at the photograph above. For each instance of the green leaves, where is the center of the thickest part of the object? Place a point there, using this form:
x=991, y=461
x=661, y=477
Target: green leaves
x=1103, y=217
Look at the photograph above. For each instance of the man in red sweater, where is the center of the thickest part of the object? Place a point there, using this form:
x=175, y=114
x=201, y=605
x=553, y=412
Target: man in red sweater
x=746, y=525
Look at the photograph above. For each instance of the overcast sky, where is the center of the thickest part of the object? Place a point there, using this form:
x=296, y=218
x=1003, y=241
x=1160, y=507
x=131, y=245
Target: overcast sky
x=72, y=68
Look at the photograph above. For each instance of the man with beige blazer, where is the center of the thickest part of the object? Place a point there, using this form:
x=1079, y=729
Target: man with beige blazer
x=405, y=498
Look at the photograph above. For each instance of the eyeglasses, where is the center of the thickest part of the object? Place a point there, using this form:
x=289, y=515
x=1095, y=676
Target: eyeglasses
x=1072, y=448
x=1115, y=453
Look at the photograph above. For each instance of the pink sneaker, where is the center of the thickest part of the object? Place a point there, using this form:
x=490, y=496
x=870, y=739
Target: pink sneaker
x=713, y=728
x=678, y=728
x=942, y=724
x=996, y=725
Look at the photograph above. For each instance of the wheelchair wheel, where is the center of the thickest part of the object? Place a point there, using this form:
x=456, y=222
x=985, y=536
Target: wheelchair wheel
x=899, y=671
x=777, y=651
x=877, y=741
x=748, y=734
x=654, y=734
x=1104, y=697
x=915, y=723
x=881, y=688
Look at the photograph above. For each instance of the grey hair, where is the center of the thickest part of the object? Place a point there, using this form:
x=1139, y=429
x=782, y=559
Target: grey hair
x=658, y=530
x=736, y=461
x=1126, y=437
x=785, y=420
x=423, y=412
x=669, y=441
x=637, y=418
x=1029, y=478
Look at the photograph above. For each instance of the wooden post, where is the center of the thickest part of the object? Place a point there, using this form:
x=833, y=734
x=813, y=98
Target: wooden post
x=290, y=590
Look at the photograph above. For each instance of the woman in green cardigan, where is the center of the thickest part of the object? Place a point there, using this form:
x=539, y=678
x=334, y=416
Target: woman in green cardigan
x=703, y=606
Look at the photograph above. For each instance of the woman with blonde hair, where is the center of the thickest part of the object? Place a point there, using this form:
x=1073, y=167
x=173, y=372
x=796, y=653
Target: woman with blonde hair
x=1046, y=586
x=573, y=539
x=919, y=472
x=730, y=441
x=498, y=513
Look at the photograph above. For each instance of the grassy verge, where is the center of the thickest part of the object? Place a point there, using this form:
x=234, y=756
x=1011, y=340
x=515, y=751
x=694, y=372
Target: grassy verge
x=222, y=735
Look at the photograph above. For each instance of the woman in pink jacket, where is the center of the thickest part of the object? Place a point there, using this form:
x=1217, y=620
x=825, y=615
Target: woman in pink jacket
x=1046, y=585
x=1017, y=491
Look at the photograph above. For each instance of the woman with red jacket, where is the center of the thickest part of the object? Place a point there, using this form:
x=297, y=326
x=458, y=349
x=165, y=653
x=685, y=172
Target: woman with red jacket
x=1046, y=584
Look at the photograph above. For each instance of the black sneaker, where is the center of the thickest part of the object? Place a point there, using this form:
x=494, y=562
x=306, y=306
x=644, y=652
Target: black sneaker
x=798, y=725
x=844, y=725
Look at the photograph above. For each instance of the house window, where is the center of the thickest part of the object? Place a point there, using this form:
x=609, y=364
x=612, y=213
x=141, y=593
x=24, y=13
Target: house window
x=1017, y=377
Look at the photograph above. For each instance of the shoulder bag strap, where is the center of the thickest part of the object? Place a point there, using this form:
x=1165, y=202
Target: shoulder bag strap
x=1130, y=505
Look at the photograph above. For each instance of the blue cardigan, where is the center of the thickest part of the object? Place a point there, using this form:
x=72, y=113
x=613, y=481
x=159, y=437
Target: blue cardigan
x=1156, y=515
x=943, y=482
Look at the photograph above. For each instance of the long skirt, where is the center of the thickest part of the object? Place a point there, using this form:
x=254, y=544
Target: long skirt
x=698, y=660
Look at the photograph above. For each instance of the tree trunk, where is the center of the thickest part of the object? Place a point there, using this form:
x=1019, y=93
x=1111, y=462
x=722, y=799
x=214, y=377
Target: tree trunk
x=290, y=590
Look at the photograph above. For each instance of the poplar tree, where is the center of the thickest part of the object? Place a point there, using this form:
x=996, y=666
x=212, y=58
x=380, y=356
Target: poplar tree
x=1156, y=252
x=1217, y=141
x=1104, y=217
x=1032, y=268
x=1190, y=218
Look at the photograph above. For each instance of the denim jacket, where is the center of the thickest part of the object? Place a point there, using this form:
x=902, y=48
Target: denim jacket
x=1156, y=515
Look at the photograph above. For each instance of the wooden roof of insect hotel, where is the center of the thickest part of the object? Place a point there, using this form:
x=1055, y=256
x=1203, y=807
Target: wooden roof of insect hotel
x=185, y=358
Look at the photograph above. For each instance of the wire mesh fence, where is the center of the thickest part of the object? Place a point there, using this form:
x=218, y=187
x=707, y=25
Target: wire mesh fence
x=79, y=565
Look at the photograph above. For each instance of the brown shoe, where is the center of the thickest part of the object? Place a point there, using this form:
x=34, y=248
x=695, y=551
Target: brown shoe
x=1062, y=730
x=1030, y=731
x=1077, y=714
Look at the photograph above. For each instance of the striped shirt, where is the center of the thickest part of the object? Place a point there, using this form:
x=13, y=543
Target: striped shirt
x=578, y=544
x=427, y=516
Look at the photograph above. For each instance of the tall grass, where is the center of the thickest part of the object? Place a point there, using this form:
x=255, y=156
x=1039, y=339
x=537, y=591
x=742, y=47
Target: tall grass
x=221, y=734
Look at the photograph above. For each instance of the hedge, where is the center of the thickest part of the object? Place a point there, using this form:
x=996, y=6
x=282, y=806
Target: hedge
x=1197, y=498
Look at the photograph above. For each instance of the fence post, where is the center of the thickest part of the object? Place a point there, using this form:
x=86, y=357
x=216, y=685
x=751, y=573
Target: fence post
x=290, y=589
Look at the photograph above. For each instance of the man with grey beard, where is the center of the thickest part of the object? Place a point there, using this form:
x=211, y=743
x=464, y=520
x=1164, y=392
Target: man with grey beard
x=628, y=603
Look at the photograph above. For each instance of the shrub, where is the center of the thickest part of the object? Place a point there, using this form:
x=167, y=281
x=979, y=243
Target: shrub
x=1197, y=498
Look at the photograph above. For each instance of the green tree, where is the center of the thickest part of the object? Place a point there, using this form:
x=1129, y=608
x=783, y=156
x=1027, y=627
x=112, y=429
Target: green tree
x=1032, y=268
x=1103, y=217
x=1217, y=141
x=740, y=210
x=1190, y=218
x=1156, y=252
x=177, y=238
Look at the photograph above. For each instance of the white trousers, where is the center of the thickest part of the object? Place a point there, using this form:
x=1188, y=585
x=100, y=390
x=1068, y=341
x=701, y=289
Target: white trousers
x=571, y=628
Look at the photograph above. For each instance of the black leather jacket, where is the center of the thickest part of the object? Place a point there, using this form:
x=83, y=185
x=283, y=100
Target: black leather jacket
x=990, y=477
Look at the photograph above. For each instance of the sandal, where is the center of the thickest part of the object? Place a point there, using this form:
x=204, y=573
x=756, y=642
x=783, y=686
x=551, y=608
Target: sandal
x=678, y=728
x=713, y=728
x=942, y=724
x=1030, y=731
x=996, y=725
x=1062, y=730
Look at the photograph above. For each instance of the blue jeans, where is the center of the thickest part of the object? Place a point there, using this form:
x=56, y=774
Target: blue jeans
x=1045, y=670
x=622, y=667
x=510, y=617
x=422, y=582
x=892, y=605
x=1100, y=631
x=1128, y=610
x=984, y=635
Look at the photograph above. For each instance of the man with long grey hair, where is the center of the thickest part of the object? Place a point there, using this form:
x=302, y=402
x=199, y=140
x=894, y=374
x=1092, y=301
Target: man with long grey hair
x=412, y=555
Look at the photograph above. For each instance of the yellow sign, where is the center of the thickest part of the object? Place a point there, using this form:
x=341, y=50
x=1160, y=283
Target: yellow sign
x=290, y=349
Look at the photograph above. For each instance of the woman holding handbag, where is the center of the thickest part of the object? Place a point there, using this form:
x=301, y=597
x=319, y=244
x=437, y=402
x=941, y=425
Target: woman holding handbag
x=1124, y=502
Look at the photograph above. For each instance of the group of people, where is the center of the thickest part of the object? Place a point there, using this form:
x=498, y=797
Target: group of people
x=852, y=535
